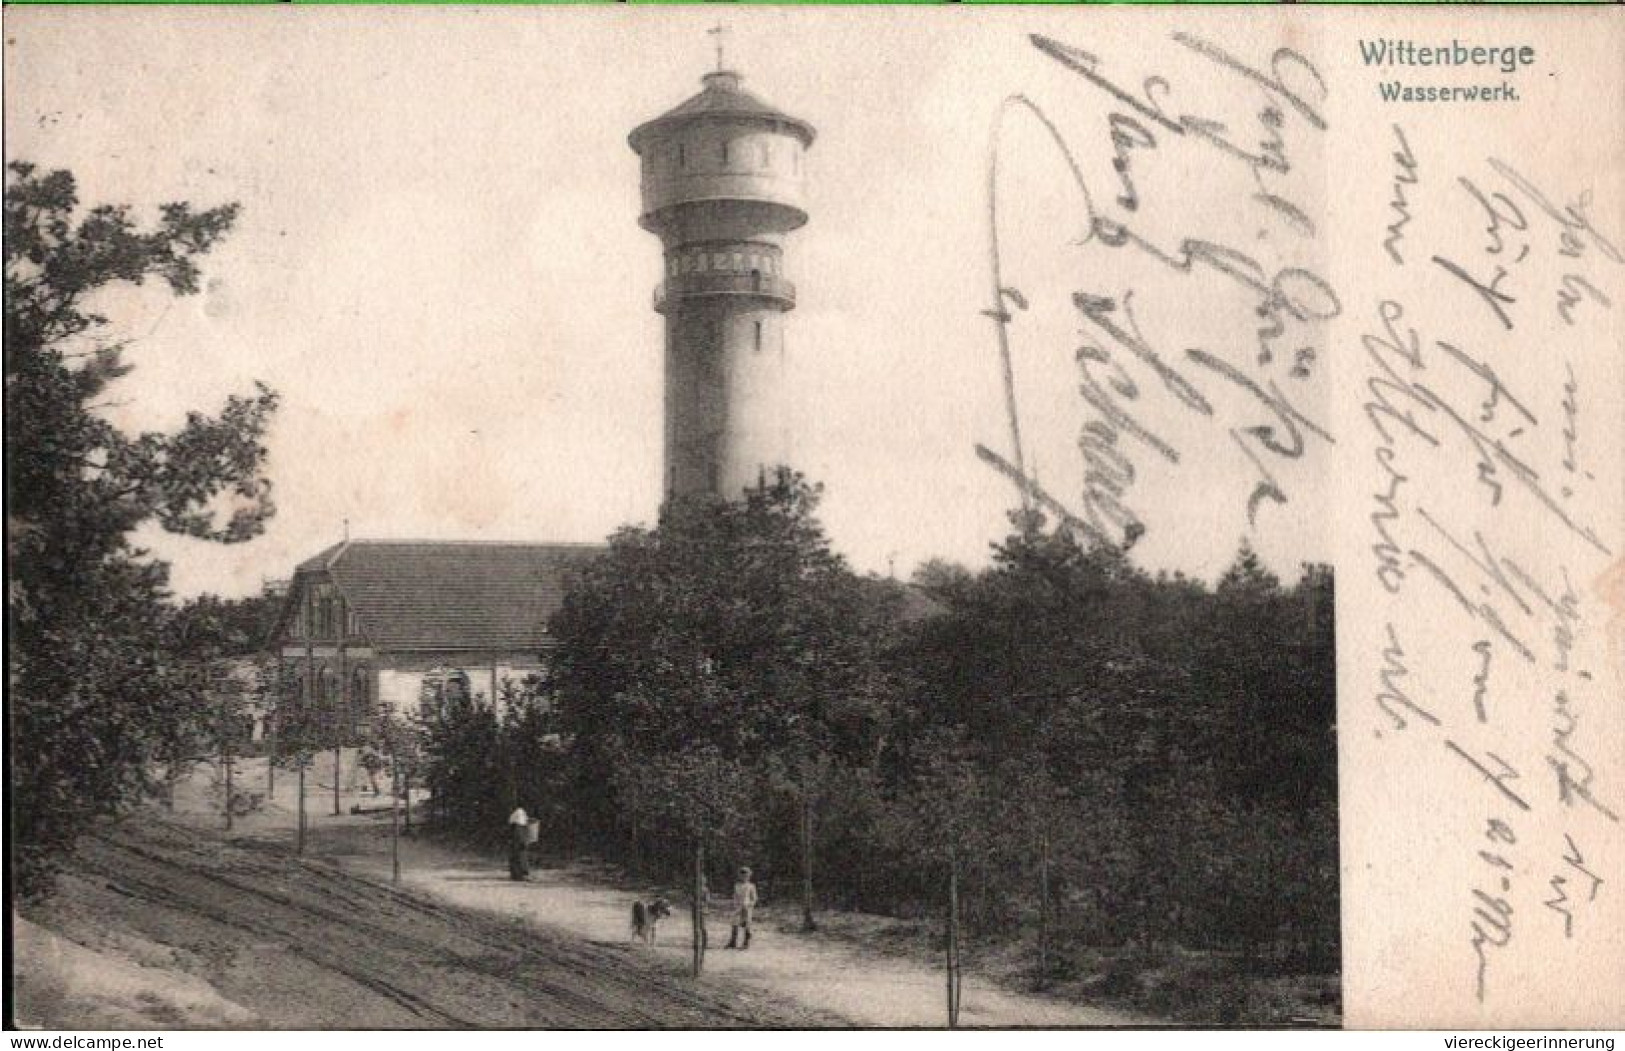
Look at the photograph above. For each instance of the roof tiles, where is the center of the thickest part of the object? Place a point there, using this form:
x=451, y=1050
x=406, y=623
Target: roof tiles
x=438, y=595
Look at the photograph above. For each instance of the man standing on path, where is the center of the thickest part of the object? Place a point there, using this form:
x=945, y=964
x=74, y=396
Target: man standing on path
x=744, y=906
x=518, y=841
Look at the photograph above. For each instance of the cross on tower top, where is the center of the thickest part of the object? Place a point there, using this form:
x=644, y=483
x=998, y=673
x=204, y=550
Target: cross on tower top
x=720, y=34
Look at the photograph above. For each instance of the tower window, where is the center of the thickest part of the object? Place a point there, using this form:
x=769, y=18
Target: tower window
x=767, y=158
x=758, y=335
x=725, y=154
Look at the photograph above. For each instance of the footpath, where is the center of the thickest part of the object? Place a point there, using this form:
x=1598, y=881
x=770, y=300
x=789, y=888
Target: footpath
x=815, y=971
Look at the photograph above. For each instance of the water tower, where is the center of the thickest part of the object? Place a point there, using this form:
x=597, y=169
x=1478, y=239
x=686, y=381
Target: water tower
x=722, y=186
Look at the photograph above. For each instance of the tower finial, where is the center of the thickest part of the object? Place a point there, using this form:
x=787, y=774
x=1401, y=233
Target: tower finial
x=720, y=33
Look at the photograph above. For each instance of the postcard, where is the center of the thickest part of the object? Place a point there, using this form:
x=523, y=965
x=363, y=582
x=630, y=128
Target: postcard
x=621, y=517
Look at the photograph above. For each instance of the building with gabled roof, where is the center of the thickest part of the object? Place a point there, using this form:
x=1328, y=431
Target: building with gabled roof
x=401, y=623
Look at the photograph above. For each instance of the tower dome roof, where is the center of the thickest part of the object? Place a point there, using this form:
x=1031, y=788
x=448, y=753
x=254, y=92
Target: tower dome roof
x=722, y=99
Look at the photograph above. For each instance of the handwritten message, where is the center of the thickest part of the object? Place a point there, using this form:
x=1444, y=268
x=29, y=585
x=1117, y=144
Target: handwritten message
x=1483, y=696
x=1230, y=277
x=1189, y=325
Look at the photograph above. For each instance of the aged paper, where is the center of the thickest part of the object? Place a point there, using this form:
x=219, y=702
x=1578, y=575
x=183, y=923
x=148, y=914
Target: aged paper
x=1479, y=521
x=1346, y=285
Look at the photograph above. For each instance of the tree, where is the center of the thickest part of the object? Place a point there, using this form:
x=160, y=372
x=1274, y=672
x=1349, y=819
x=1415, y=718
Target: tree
x=465, y=769
x=90, y=679
x=706, y=798
x=208, y=641
x=397, y=738
x=941, y=814
x=731, y=626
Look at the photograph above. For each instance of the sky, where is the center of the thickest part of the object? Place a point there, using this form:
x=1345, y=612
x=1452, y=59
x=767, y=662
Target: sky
x=439, y=268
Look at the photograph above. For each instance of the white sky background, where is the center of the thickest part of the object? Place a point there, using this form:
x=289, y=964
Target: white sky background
x=439, y=267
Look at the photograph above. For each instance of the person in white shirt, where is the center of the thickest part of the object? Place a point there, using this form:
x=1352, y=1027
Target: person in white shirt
x=744, y=908
x=518, y=862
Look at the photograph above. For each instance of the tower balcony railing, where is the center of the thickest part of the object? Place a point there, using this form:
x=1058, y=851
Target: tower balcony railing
x=769, y=286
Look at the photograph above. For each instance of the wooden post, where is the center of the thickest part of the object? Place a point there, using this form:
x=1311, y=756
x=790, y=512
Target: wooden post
x=225, y=740
x=309, y=701
x=953, y=937
x=697, y=912
x=808, y=923
x=394, y=813
x=343, y=716
x=1043, y=907
x=272, y=722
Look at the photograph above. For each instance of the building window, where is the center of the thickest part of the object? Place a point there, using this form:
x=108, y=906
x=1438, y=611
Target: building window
x=758, y=335
x=767, y=157
x=724, y=153
x=360, y=699
x=327, y=694
x=682, y=156
x=444, y=692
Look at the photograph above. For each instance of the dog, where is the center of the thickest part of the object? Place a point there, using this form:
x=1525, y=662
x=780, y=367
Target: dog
x=646, y=917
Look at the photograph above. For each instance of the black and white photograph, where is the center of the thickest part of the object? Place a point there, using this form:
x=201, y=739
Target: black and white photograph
x=721, y=517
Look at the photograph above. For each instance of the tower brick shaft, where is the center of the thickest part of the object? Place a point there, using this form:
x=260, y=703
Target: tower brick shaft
x=722, y=186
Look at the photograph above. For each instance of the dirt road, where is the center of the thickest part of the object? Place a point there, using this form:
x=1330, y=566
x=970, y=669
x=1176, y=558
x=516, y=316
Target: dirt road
x=326, y=942
x=866, y=987
x=168, y=925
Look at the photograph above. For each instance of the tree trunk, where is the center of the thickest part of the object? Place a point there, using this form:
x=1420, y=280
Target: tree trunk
x=270, y=762
x=172, y=775
x=1043, y=908
x=225, y=748
x=808, y=923
x=698, y=909
x=394, y=820
x=299, y=841
x=953, y=938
